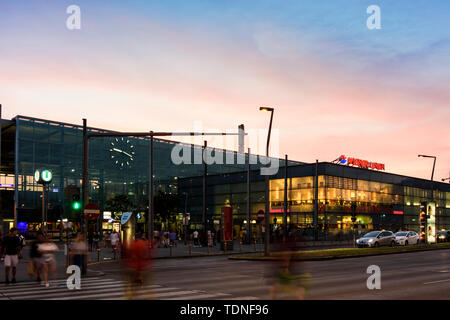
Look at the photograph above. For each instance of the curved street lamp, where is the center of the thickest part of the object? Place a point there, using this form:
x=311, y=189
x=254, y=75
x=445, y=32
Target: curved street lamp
x=267, y=207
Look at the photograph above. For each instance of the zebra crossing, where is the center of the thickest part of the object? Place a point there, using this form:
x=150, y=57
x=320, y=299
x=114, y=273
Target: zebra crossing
x=100, y=288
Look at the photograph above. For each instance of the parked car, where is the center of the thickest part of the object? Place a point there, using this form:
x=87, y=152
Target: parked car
x=376, y=239
x=443, y=236
x=405, y=238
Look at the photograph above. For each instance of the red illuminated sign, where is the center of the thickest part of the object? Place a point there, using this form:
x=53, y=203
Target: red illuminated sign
x=361, y=163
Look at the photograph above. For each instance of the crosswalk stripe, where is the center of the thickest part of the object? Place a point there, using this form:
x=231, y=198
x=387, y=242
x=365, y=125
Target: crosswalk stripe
x=121, y=294
x=53, y=286
x=162, y=289
x=242, y=298
x=84, y=288
x=200, y=296
x=76, y=293
x=31, y=283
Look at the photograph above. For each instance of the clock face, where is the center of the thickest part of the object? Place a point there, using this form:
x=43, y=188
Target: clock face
x=122, y=152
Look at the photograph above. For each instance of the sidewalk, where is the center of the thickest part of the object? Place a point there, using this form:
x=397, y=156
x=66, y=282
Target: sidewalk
x=185, y=251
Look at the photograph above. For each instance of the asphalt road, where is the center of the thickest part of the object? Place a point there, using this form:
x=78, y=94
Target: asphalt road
x=418, y=275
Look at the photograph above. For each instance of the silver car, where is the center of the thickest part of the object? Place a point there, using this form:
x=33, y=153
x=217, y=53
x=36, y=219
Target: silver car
x=404, y=238
x=376, y=239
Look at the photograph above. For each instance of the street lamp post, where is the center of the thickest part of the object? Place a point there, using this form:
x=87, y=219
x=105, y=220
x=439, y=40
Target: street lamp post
x=267, y=209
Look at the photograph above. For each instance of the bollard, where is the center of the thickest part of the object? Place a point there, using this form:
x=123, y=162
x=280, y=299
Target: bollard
x=171, y=248
x=190, y=248
x=240, y=246
x=98, y=254
x=254, y=242
x=225, y=247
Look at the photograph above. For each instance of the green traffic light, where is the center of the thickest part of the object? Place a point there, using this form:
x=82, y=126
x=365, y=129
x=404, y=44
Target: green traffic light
x=76, y=205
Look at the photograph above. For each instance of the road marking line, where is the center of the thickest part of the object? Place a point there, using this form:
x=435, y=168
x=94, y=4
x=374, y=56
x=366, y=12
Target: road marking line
x=437, y=281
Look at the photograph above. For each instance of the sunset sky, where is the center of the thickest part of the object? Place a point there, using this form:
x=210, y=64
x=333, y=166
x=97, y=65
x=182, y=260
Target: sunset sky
x=336, y=86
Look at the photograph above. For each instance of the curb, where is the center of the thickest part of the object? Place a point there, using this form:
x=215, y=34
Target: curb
x=180, y=257
x=336, y=257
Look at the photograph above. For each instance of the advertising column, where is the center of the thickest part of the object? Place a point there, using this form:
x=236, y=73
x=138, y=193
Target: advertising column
x=431, y=222
x=227, y=226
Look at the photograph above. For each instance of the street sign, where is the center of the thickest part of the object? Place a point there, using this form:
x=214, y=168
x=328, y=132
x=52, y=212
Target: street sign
x=260, y=215
x=91, y=211
x=125, y=217
x=43, y=176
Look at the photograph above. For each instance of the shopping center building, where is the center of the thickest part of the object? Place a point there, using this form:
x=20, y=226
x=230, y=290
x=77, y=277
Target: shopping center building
x=120, y=166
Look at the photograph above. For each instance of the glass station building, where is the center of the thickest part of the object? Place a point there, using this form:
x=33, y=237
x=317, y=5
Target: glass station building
x=120, y=166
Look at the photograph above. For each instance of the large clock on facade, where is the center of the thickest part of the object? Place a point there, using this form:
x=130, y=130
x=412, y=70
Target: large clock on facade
x=122, y=152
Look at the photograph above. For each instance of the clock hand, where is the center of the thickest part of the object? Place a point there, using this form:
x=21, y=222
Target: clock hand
x=118, y=150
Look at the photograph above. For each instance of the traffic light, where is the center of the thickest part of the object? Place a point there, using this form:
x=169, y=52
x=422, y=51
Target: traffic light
x=76, y=204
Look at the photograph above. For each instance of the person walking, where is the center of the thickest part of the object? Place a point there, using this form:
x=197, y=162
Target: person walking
x=173, y=238
x=196, y=244
x=36, y=256
x=47, y=249
x=79, y=252
x=90, y=240
x=115, y=240
x=96, y=240
x=11, y=248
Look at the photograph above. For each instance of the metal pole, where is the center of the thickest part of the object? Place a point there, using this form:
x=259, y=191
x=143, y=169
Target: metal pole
x=84, y=186
x=204, y=189
x=249, y=202
x=185, y=218
x=1, y=127
x=316, y=204
x=43, y=208
x=285, y=226
x=150, y=193
x=432, y=196
x=16, y=172
x=267, y=206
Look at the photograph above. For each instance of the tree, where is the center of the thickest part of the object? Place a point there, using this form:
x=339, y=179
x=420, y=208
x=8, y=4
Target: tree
x=119, y=203
x=165, y=205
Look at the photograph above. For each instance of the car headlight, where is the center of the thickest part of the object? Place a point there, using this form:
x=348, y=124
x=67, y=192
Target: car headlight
x=370, y=240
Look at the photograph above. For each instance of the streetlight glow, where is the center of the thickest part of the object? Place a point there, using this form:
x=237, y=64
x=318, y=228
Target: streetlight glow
x=266, y=109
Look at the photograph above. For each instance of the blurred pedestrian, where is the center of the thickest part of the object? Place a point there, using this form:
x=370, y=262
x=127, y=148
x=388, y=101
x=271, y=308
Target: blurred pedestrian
x=47, y=249
x=173, y=238
x=11, y=247
x=108, y=240
x=96, y=240
x=137, y=264
x=195, y=234
x=90, y=240
x=78, y=252
x=115, y=240
x=36, y=256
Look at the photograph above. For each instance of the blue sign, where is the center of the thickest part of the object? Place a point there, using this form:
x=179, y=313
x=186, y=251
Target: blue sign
x=125, y=217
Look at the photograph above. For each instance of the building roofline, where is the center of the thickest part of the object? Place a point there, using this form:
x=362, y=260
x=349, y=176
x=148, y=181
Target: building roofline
x=77, y=126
